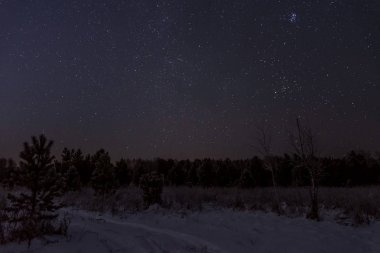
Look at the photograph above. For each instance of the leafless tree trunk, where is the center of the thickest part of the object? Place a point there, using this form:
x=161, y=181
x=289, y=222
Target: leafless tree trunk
x=304, y=146
x=264, y=139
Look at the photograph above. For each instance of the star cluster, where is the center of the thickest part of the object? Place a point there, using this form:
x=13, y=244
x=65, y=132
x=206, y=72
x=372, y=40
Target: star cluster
x=187, y=79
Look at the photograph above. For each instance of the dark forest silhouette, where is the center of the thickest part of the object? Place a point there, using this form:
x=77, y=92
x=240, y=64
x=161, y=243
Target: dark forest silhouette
x=357, y=168
x=43, y=178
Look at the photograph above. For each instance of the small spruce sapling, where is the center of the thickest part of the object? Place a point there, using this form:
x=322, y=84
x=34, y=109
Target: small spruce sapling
x=33, y=211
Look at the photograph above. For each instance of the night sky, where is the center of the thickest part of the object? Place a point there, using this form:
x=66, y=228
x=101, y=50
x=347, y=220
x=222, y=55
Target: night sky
x=186, y=79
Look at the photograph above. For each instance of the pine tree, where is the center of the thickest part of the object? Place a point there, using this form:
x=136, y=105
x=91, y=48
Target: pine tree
x=207, y=175
x=72, y=179
x=68, y=169
x=33, y=211
x=246, y=179
x=223, y=176
x=3, y=169
x=140, y=167
x=176, y=175
x=7, y=168
x=123, y=173
x=85, y=168
x=192, y=178
x=103, y=178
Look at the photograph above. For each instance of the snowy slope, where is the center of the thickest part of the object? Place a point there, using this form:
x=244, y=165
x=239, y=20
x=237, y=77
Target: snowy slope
x=208, y=231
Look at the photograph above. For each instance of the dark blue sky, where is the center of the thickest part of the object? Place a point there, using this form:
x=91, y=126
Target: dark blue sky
x=187, y=79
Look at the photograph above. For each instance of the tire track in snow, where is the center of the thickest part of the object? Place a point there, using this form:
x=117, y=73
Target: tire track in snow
x=190, y=239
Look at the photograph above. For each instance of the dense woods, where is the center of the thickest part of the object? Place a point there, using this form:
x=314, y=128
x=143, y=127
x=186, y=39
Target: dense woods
x=357, y=168
x=38, y=181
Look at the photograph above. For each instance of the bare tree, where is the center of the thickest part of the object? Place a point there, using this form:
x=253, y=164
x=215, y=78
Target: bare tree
x=264, y=140
x=304, y=145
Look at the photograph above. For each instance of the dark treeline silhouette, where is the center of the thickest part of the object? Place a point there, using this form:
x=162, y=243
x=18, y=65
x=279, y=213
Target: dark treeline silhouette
x=357, y=168
x=36, y=184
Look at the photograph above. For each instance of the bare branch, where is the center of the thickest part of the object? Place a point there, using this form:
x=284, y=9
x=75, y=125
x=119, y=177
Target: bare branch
x=264, y=139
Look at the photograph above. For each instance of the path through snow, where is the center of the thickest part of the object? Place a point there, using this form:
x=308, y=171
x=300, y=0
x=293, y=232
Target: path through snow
x=209, y=231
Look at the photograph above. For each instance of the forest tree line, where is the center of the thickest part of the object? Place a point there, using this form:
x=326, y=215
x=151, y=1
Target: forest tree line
x=78, y=170
x=32, y=212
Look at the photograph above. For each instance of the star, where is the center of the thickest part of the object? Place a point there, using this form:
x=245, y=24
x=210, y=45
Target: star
x=293, y=18
x=118, y=72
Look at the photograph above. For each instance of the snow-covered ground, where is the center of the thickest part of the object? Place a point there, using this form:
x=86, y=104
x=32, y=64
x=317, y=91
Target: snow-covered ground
x=207, y=231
